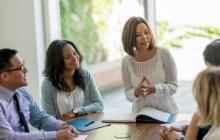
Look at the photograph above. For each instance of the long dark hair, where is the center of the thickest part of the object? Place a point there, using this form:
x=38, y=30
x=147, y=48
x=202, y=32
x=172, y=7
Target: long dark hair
x=54, y=65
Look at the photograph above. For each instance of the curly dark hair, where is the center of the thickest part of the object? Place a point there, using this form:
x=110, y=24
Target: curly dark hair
x=54, y=65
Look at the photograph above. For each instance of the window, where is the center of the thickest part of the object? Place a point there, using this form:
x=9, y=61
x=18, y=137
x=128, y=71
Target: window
x=96, y=25
x=186, y=28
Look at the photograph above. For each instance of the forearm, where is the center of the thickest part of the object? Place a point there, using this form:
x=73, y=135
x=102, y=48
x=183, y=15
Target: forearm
x=192, y=129
x=41, y=120
x=10, y=135
x=130, y=96
x=52, y=124
x=191, y=132
x=7, y=133
x=165, y=88
x=91, y=108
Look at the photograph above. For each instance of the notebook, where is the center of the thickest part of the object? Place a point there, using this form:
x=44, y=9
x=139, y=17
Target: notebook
x=147, y=114
x=153, y=115
x=86, y=124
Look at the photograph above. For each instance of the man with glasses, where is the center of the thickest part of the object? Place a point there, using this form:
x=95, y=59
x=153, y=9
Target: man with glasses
x=17, y=107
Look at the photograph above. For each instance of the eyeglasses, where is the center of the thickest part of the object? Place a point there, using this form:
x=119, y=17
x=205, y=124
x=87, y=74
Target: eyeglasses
x=21, y=68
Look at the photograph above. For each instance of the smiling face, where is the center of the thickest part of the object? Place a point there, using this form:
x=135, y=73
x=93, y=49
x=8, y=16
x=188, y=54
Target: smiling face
x=70, y=57
x=142, y=37
x=15, y=76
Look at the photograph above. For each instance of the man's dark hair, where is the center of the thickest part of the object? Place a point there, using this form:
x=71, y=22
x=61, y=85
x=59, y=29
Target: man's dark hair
x=211, y=53
x=5, y=56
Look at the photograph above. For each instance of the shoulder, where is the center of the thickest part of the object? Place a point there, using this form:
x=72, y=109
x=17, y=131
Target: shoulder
x=163, y=50
x=47, y=87
x=164, y=53
x=87, y=76
x=126, y=59
x=85, y=73
x=22, y=93
x=46, y=83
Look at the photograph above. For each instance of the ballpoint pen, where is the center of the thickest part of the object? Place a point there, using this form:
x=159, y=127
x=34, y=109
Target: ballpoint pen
x=89, y=123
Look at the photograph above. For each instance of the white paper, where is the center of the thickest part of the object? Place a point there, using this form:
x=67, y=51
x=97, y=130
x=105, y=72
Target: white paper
x=177, y=124
x=80, y=137
x=120, y=117
x=156, y=114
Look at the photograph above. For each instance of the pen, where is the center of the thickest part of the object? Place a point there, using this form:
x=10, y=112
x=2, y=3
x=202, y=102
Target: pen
x=89, y=123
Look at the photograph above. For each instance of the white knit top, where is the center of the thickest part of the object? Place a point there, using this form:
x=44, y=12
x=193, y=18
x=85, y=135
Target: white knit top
x=161, y=71
x=67, y=101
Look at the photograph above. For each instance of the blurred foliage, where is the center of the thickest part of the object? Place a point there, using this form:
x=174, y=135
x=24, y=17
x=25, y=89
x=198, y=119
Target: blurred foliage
x=80, y=24
x=171, y=36
x=84, y=23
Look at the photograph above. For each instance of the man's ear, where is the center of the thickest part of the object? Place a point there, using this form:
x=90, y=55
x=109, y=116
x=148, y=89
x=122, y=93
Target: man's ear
x=4, y=76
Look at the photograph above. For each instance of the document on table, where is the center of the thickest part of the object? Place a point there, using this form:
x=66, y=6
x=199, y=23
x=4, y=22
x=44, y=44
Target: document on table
x=177, y=124
x=80, y=137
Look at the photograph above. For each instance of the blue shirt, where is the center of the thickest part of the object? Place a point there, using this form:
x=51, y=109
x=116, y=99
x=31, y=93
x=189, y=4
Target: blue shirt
x=10, y=127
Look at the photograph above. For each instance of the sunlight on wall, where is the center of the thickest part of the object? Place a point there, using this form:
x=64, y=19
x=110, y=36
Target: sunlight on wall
x=189, y=58
x=196, y=12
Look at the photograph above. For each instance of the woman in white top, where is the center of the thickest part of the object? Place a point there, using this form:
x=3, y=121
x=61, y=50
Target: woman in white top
x=206, y=90
x=149, y=73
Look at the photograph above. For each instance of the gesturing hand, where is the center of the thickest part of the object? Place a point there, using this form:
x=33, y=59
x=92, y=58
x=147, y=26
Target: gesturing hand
x=144, y=88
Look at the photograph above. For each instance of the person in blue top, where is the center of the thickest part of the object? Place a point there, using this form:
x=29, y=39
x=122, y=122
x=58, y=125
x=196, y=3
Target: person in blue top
x=68, y=90
x=17, y=107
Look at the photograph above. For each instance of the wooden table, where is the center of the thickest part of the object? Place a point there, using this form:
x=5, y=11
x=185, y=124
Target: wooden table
x=137, y=131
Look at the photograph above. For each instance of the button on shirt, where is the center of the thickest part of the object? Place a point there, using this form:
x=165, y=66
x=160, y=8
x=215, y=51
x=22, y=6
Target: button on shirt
x=10, y=127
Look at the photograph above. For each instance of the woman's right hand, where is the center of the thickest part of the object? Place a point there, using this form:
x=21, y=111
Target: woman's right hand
x=68, y=116
x=141, y=89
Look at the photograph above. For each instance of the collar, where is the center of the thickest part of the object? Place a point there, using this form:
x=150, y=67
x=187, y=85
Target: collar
x=6, y=93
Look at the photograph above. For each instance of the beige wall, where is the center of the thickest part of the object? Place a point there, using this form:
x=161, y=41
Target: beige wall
x=21, y=29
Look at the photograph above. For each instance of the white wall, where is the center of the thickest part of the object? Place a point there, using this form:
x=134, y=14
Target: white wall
x=21, y=28
x=29, y=26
